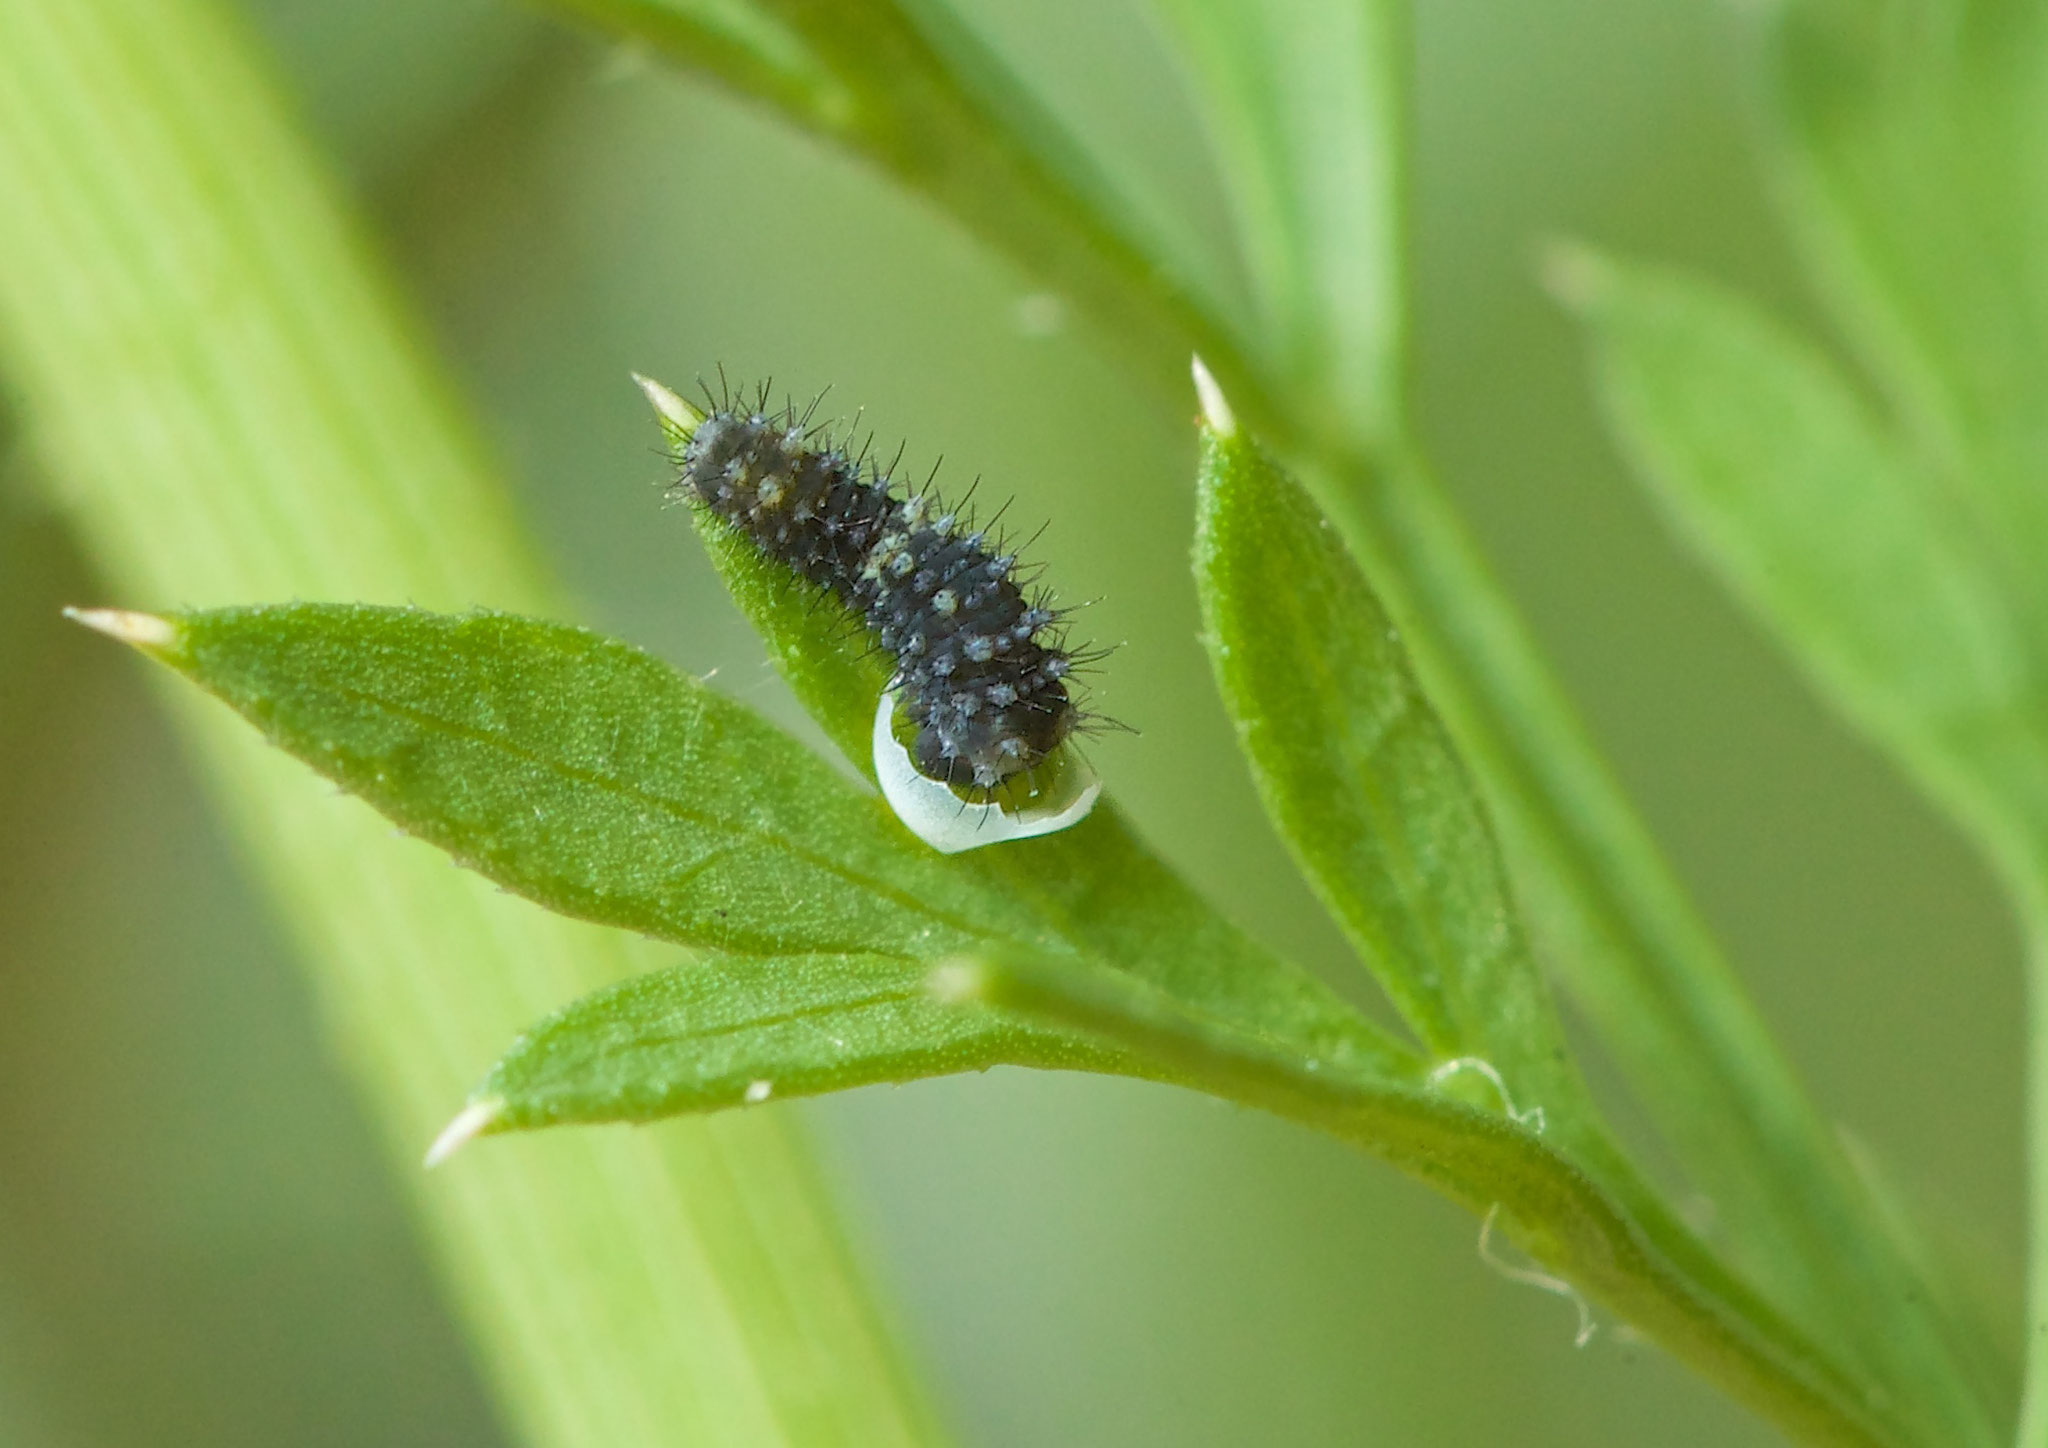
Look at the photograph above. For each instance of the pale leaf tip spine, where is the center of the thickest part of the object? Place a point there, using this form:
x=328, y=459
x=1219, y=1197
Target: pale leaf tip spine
x=142, y=630
x=679, y=417
x=470, y=1122
x=1216, y=409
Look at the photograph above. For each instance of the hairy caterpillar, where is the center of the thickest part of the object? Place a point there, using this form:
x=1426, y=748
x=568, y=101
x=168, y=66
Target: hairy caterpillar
x=982, y=677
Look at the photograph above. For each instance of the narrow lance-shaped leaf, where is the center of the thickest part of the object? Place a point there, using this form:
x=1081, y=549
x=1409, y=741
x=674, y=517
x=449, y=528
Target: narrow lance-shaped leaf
x=1771, y=468
x=597, y=781
x=1358, y=774
x=1913, y=141
x=590, y=777
x=671, y=1041
x=731, y=1030
x=814, y=643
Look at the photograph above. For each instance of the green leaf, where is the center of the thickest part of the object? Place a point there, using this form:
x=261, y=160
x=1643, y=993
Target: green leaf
x=1305, y=102
x=589, y=777
x=730, y=1030
x=1775, y=472
x=1363, y=785
x=1817, y=520
x=1358, y=774
x=1914, y=142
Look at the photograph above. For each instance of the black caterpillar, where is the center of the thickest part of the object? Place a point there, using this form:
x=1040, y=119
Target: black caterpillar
x=982, y=669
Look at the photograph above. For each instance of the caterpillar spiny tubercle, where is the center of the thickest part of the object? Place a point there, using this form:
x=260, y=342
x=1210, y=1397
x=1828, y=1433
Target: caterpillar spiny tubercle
x=971, y=734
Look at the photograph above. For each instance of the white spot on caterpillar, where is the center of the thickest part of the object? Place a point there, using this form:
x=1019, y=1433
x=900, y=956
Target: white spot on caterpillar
x=759, y=1091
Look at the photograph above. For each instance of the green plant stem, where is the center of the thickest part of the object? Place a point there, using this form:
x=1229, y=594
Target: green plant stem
x=216, y=381
x=1553, y=1210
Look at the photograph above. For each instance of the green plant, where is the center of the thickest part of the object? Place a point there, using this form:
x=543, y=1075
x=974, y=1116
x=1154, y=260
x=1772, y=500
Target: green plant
x=1423, y=770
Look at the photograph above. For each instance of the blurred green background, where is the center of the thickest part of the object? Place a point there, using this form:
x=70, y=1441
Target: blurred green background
x=197, y=1243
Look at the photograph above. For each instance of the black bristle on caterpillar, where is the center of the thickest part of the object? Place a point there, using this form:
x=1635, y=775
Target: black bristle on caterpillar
x=982, y=672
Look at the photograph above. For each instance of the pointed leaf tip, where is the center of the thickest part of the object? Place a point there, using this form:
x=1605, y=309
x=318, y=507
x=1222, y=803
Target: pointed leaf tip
x=470, y=1122
x=142, y=630
x=1216, y=410
x=679, y=417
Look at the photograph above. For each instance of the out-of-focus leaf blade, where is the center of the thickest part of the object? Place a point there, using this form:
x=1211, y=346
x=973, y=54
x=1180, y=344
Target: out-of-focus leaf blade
x=1915, y=144
x=1780, y=478
x=1838, y=541
x=738, y=40
x=731, y=1030
x=1305, y=107
x=1914, y=139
